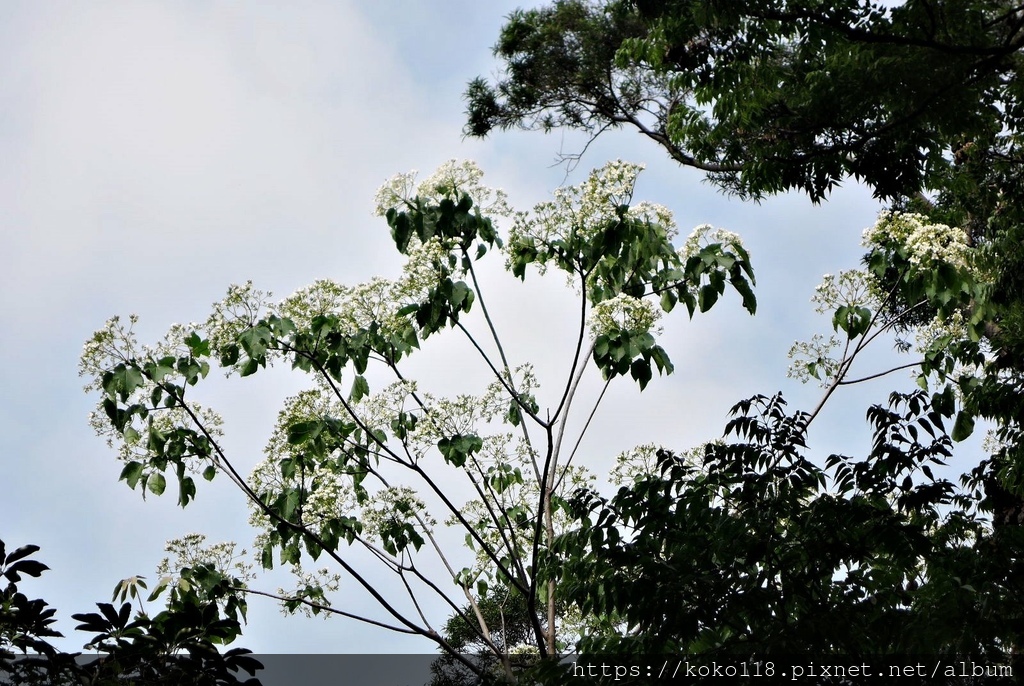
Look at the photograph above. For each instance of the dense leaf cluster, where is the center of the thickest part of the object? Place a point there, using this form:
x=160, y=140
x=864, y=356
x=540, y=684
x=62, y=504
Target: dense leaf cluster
x=177, y=645
x=755, y=550
x=768, y=96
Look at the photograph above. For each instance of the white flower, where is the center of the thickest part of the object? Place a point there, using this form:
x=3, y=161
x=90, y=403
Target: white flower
x=705, y=235
x=399, y=504
x=109, y=346
x=625, y=313
x=851, y=288
x=322, y=297
x=582, y=211
x=191, y=550
x=927, y=244
x=451, y=180
x=641, y=462
x=241, y=308
x=814, y=359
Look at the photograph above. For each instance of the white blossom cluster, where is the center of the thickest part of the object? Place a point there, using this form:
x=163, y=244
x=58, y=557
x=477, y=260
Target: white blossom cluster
x=818, y=352
x=927, y=244
x=328, y=493
x=356, y=306
x=705, y=235
x=375, y=301
x=522, y=496
x=993, y=443
x=851, y=288
x=624, y=313
x=395, y=504
x=323, y=578
x=952, y=326
x=953, y=329
x=634, y=465
x=641, y=462
x=583, y=210
x=114, y=344
x=191, y=550
x=495, y=399
x=322, y=297
x=241, y=308
x=451, y=180
x=107, y=347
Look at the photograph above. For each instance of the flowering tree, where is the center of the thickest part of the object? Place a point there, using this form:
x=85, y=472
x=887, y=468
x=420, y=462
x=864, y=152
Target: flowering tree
x=921, y=102
x=389, y=468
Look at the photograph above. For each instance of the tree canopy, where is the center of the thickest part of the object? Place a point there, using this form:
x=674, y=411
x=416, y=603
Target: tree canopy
x=922, y=103
x=369, y=470
x=748, y=545
x=770, y=96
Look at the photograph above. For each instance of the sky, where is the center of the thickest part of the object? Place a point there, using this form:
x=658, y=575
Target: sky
x=152, y=153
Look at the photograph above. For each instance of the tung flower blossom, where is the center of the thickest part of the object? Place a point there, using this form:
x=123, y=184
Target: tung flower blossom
x=926, y=244
x=451, y=180
x=624, y=313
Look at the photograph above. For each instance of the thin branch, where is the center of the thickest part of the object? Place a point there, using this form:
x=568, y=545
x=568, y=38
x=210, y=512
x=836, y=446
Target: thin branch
x=881, y=374
x=501, y=351
x=511, y=391
x=326, y=608
x=306, y=532
x=577, y=367
x=583, y=432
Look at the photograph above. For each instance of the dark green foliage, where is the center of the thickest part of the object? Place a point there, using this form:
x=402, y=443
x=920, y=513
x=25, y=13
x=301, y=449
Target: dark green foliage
x=506, y=612
x=758, y=551
x=177, y=645
x=767, y=96
x=779, y=95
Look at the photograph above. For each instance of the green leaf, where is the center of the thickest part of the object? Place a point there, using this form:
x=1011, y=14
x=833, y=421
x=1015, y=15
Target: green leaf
x=640, y=370
x=707, y=297
x=267, y=557
x=131, y=473
x=197, y=345
x=668, y=300
x=406, y=310
x=301, y=432
x=360, y=388
x=157, y=483
x=963, y=427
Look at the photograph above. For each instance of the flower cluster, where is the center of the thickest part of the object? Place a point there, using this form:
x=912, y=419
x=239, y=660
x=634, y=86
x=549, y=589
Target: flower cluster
x=495, y=400
x=328, y=493
x=851, y=288
x=241, y=308
x=116, y=343
x=583, y=210
x=518, y=498
x=108, y=346
x=322, y=297
x=451, y=180
x=624, y=313
x=393, y=504
x=312, y=586
x=814, y=359
x=952, y=328
x=191, y=550
x=641, y=462
x=705, y=235
x=926, y=244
